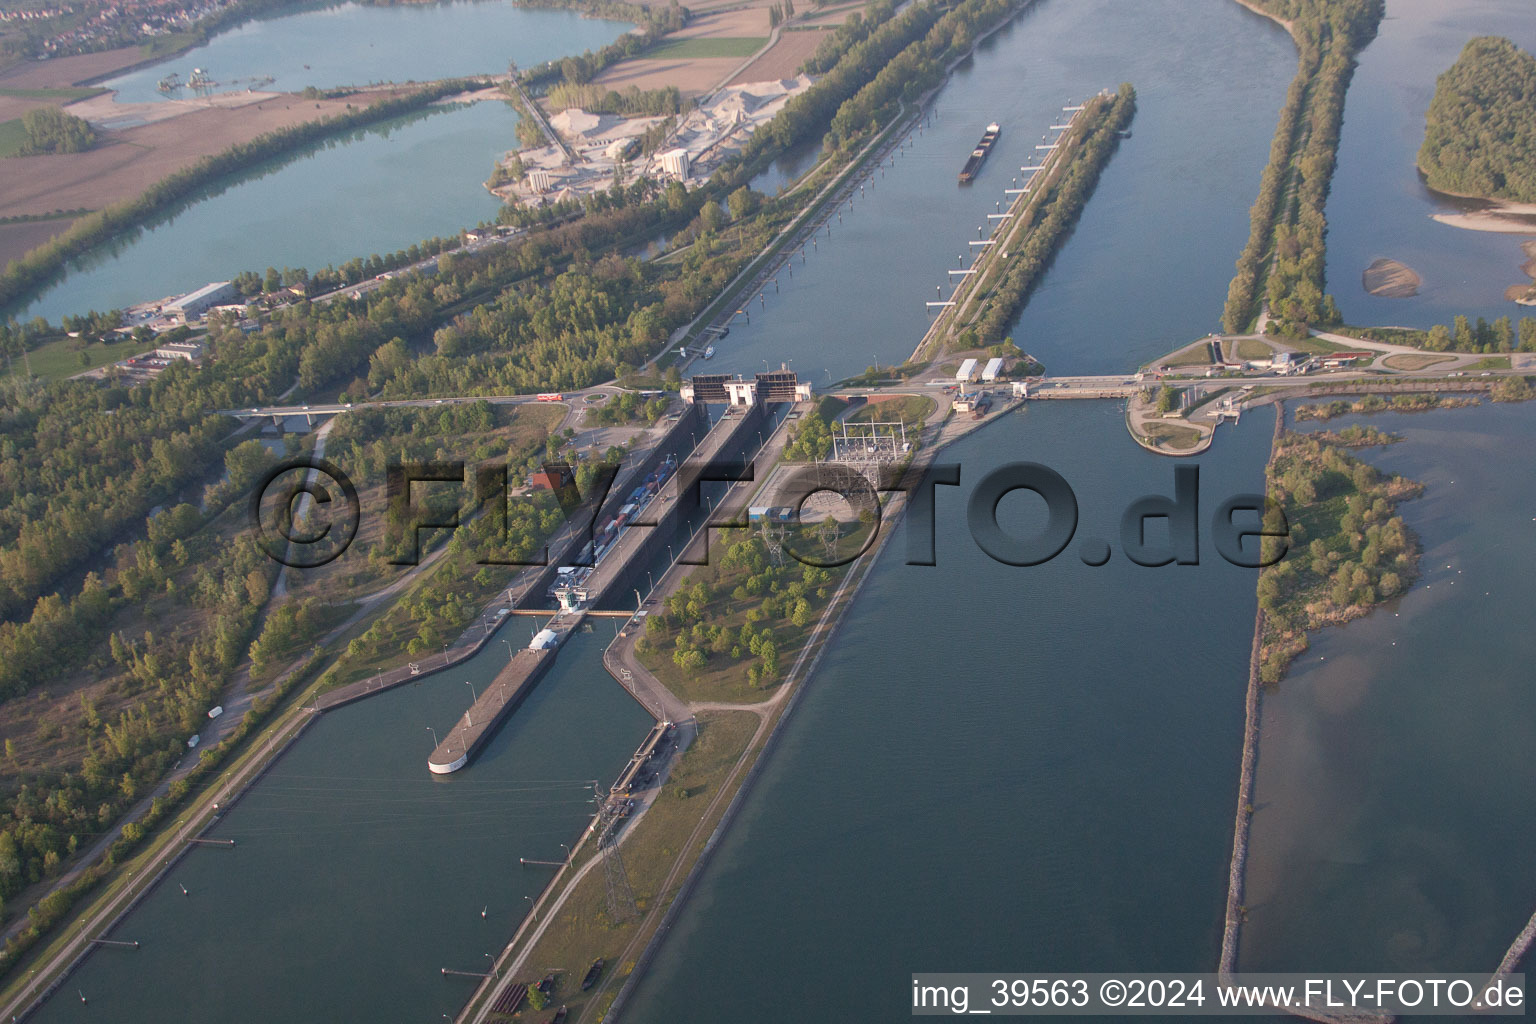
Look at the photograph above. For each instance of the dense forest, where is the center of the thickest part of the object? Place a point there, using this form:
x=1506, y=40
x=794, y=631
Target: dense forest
x=1282, y=263
x=1480, y=133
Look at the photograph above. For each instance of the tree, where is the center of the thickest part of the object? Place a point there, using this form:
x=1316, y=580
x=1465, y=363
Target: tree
x=51, y=130
x=1465, y=340
x=1167, y=398
x=801, y=616
x=711, y=216
x=1480, y=129
x=1511, y=389
x=744, y=203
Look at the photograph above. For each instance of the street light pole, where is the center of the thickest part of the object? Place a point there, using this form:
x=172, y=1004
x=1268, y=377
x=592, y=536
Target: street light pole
x=433, y=731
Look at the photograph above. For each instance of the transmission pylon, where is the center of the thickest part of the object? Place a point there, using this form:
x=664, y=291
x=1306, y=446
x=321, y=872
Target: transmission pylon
x=621, y=897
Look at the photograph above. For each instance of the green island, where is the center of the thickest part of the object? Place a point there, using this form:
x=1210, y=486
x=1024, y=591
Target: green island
x=1480, y=130
x=1282, y=265
x=1349, y=550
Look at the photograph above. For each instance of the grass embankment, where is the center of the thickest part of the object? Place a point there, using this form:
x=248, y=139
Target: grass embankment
x=1349, y=549
x=1175, y=436
x=911, y=410
x=1198, y=354
x=1251, y=349
x=63, y=95
x=1317, y=346
x=583, y=929
x=1413, y=363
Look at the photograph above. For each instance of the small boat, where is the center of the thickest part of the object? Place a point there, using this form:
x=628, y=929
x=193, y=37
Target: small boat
x=593, y=973
x=709, y=353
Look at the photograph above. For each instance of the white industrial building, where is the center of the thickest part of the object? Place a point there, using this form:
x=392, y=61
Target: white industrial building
x=191, y=351
x=195, y=304
x=967, y=372
x=675, y=162
x=993, y=368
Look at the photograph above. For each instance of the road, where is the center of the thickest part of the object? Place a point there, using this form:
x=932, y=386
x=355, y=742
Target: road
x=584, y=395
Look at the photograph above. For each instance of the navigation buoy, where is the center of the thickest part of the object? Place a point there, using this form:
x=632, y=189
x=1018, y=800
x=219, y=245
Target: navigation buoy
x=483, y=910
x=184, y=890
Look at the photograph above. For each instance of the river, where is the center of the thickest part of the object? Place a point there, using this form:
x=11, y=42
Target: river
x=995, y=767
x=977, y=780
x=1394, y=819
x=1379, y=205
x=999, y=768
x=357, y=874
x=371, y=191
x=1149, y=262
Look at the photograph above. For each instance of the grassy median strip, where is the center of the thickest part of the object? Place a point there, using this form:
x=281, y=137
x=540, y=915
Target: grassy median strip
x=583, y=929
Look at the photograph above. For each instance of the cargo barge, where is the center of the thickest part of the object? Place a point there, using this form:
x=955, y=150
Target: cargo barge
x=979, y=154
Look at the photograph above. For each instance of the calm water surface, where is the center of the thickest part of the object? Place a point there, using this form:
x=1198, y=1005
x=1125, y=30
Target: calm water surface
x=358, y=44
x=357, y=874
x=1395, y=807
x=1149, y=262
x=356, y=195
x=373, y=191
x=995, y=768
x=1379, y=205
